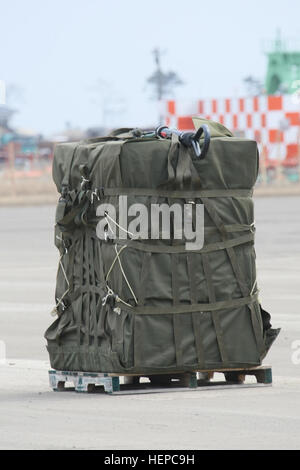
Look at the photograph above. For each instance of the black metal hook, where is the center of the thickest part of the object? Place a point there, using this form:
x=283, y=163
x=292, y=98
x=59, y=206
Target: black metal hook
x=188, y=139
x=204, y=129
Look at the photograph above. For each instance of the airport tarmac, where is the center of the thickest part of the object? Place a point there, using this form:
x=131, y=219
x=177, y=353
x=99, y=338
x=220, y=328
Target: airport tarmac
x=34, y=417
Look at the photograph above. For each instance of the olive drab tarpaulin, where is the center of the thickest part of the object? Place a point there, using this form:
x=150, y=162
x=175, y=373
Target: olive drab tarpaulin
x=150, y=305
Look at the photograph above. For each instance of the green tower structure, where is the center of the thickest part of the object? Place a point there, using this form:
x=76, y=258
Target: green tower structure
x=283, y=73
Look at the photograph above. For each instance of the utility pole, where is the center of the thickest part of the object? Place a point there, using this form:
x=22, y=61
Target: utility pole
x=159, y=74
x=162, y=82
x=2, y=92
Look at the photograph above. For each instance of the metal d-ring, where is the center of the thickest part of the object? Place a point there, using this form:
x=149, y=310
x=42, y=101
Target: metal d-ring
x=189, y=138
x=159, y=130
x=204, y=129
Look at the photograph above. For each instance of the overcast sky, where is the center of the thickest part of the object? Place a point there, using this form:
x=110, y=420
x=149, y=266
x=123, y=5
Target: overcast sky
x=71, y=57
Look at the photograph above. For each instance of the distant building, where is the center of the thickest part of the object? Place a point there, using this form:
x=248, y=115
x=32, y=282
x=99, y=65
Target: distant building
x=283, y=71
x=271, y=118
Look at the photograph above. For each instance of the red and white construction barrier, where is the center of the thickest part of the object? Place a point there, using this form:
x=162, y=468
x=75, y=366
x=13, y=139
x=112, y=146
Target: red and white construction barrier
x=273, y=121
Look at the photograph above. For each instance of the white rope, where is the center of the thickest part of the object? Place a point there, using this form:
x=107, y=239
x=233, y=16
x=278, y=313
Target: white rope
x=252, y=227
x=254, y=285
x=117, y=257
x=122, y=270
x=107, y=216
x=54, y=311
x=114, y=261
x=118, y=299
x=117, y=225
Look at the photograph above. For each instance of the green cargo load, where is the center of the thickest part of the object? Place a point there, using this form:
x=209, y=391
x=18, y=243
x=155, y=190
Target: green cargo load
x=150, y=305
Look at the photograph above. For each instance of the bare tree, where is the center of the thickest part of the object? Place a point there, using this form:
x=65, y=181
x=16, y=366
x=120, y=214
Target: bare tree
x=254, y=86
x=162, y=82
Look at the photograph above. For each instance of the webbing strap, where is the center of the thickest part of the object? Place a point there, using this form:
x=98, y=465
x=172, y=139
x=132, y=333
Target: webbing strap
x=176, y=318
x=70, y=265
x=72, y=203
x=196, y=316
x=231, y=254
x=237, y=272
x=143, y=278
x=215, y=314
x=208, y=230
x=83, y=290
x=186, y=171
x=101, y=286
x=86, y=274
x=99, y=267
x=79, y=201
x=257, y=328
x=80, y=309
x=177, y=194
x=172, y=156
x=196, y=319
x=92, y=263
x=175, y=284
x=183, y=170
x=188, y=308
x=108, y=169
x=221, y=245
x=177, y=339
x=192, y=269
x=67, y=171
x=244, y=289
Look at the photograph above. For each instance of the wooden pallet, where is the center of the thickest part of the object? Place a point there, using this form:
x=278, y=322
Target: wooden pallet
x=186, y=381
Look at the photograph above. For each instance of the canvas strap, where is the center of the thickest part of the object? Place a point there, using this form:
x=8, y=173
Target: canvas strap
x=215, y=313
x=237, y=272
x=176, y=194
x=143, y=278
x=189, y=308
x=176, y=318
x=161, y=248
x=67, y=170
x=196, y=316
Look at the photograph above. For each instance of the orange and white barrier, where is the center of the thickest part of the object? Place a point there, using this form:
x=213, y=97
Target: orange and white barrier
x=273, y=121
